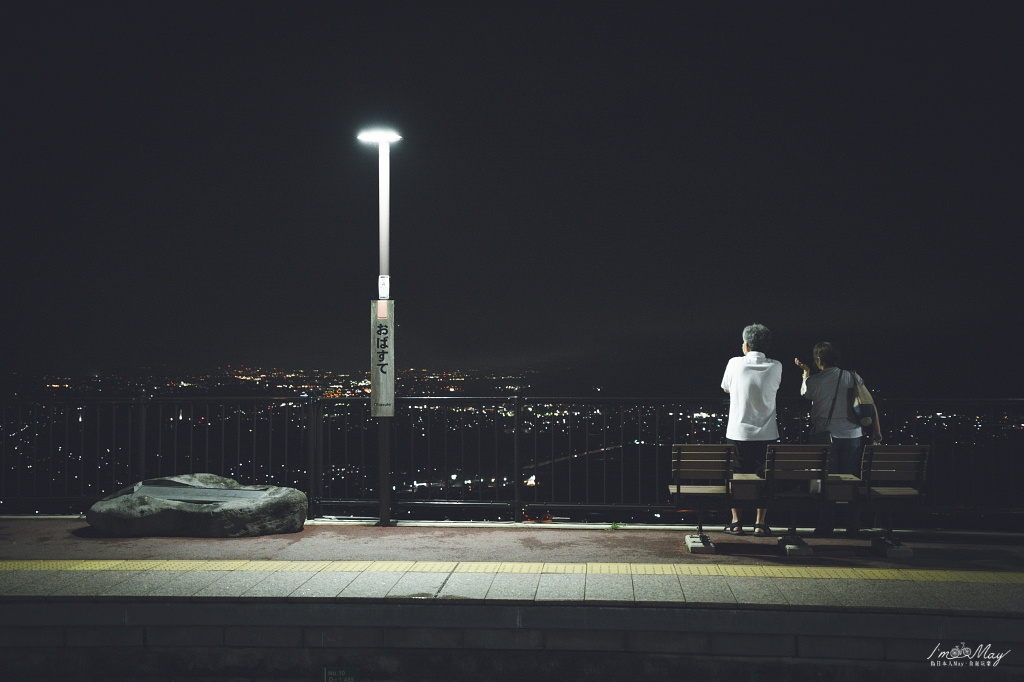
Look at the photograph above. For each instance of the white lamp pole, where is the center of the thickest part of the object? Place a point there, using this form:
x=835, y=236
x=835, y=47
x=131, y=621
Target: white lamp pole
x=382, y=325
x=383, y=140
x=384, y=181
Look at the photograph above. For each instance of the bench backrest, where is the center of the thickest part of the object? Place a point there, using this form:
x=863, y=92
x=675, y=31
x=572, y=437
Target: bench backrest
x=703, y=462
x=795, y=463
x=894, y=465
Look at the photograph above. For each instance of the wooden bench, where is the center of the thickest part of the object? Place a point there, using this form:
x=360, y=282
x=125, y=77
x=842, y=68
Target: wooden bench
x=892, y=477
x=789, y=470
x=711, y=465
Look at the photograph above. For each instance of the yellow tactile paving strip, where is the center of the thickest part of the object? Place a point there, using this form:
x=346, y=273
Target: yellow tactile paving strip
x=697, y=569
x=229, y=565
x=726, y=570
x=348, y=566
x=652, y=569
x=478, y=567
x=609, y=568
x=391, y=566
x=515, y=567
x=433, y=567
x=144, y=565
x=38, y=565
x=563, y=568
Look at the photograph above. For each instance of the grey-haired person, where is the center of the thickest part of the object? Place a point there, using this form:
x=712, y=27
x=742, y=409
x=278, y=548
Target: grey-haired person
x=752, y=382
x=829, y=393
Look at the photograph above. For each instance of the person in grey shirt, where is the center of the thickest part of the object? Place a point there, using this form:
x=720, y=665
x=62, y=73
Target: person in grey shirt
x=829, y=393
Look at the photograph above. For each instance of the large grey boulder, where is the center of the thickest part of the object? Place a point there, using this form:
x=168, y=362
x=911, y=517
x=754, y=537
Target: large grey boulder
x=199, y=505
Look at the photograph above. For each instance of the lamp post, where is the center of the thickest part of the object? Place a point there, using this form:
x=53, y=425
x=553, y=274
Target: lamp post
x=382, y=326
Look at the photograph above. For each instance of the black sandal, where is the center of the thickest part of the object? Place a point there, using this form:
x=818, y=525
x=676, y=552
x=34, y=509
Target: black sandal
x=765, y=530
x=734, y=529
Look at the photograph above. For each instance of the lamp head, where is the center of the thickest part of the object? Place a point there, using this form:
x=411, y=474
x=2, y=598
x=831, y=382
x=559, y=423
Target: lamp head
x=378, y=135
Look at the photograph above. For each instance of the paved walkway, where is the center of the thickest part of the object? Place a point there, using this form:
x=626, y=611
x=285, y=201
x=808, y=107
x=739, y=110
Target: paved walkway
x=902, y=590
x=63, y=557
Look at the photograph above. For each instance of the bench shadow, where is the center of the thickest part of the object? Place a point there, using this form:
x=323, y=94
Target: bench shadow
x=859, y=554
x=759, y=549
x=91, y=533
x=965, y=558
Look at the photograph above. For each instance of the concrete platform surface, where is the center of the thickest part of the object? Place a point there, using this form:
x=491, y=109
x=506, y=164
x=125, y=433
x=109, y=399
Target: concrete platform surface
x=66, y=558
x=72, y=538
x=983, y=593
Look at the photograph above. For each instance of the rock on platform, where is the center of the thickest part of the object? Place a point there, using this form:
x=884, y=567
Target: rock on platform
x=199, y=505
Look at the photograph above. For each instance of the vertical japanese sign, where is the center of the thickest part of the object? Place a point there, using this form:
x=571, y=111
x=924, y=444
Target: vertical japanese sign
x=382, y=358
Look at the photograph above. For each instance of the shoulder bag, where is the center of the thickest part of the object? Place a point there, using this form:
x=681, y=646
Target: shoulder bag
x=862, y=405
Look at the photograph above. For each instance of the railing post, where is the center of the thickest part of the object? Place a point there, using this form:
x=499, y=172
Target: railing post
x=142, y=435
x=311, y=447
x=318, y=479
x=517, y=471
x=384, y=425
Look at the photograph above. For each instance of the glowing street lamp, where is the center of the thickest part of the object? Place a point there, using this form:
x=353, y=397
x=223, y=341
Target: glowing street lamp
x=382, y=326
x=382, y=336
x=383, y=139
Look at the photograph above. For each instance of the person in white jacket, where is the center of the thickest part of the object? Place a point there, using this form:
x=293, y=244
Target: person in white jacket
x=752, y=382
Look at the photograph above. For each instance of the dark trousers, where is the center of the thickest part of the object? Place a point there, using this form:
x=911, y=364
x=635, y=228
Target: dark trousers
x=844, y=458
x=750, y=456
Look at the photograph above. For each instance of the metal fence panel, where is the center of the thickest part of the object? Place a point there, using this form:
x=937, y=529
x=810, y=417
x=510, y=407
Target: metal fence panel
x=63, y=455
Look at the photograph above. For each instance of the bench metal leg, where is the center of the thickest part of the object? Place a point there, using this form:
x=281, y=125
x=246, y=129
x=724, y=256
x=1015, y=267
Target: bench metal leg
x=890, y=549
x=700, y=543
x=889, y=545
x=791, y=543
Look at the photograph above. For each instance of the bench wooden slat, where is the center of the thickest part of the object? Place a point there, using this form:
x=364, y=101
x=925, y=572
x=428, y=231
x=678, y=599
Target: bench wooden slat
x=683, y=462
x=799, y=466
x=800, y=455
x=795, y=463
x=715, y=462
x=906, y=459
x=893, y=491
x=700, y=463
x=698, y=489
x=709, y=454
x=895, y=466
x=895, y=476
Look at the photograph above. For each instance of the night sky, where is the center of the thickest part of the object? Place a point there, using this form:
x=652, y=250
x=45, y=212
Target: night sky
x=607, y=192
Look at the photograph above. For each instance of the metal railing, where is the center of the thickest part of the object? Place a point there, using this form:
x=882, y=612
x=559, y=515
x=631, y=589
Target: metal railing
x=457, y=457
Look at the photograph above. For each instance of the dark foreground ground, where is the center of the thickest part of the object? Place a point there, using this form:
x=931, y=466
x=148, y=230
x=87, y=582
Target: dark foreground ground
x=502, y=602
